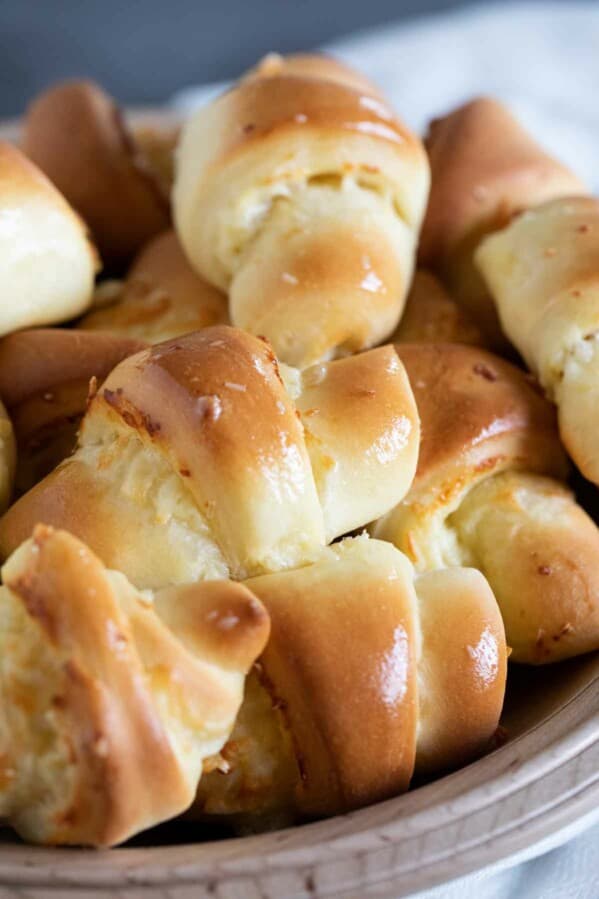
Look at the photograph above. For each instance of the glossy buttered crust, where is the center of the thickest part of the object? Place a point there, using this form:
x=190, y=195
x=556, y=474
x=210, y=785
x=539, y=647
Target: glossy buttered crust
x=195, y=461
x=484, y=169
x=292, y=188
x=110, y=702
x=75, y=133
x=45, y=379
x=47, y=263
x=543, y=272
x=368, y=678
x=480, y=415
x=485, y=494
x=353, y=610
x=161, y=298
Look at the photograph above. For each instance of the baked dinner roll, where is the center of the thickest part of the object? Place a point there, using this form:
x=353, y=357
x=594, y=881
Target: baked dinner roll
x=110, y=700
x=162, y=297
x=543, y=271
x=45, y=377
x=301, y=196
x=77, y=135
x=432, y=316
x=487, y=495
x=485, y=168
x=368, y=675
x=47, y=264
x=8, y=456
x=196, y=462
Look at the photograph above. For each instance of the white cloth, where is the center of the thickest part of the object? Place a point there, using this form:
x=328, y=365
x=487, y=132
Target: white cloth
x=542, y=59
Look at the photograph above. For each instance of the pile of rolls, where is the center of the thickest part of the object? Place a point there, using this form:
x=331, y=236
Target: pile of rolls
x=291, y=404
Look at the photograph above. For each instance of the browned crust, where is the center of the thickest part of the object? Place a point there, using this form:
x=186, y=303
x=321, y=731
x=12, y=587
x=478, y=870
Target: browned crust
x=34, y=362
x=341, y=661
x=469, y=399
x=45, y=380
x=484, y=168
x=127, y=775
x=225, y=385
x=257, y=108
x=75, y=133
x=465, y=663
x=117, y=736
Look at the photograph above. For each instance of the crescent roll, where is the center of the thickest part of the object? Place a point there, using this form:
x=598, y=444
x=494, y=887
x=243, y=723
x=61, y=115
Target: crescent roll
x=485, y=168
x=369, y=675
x=110, y=700
x=488, y=494
x=45, y=377
x=162, y=297
x=196, y=461
x=543, y=271
x=300, y=194
x=78, y=136
x=47, y=263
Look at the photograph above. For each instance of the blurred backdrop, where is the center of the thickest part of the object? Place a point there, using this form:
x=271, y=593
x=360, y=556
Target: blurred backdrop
x=143, y=51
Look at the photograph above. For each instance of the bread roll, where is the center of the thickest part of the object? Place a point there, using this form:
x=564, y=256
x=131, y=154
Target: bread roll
x=301, y=195
x=77, y=135
x=368, y=675
x=162, y=297
x=196, y=462
x=543, y=271
x=485, y=168
x=47, y=264
x=110, y=701
x=45, y=377
x=432, y=316
x=487, y=494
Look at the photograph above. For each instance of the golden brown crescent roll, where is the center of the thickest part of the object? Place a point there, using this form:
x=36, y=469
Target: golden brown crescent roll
x=301, y=196
x=78, y=137
x=8, y=457
x=162, y=297
x=47, y=263
x=368, y=674
x=484, y=168
x=543, y=271
x=486, y=495
x=45, y=377
x=111, y=700
x=432, y=316
x=194, y=460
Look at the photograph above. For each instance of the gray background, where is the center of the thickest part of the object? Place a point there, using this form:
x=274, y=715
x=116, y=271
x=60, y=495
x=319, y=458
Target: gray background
x=145, y=51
